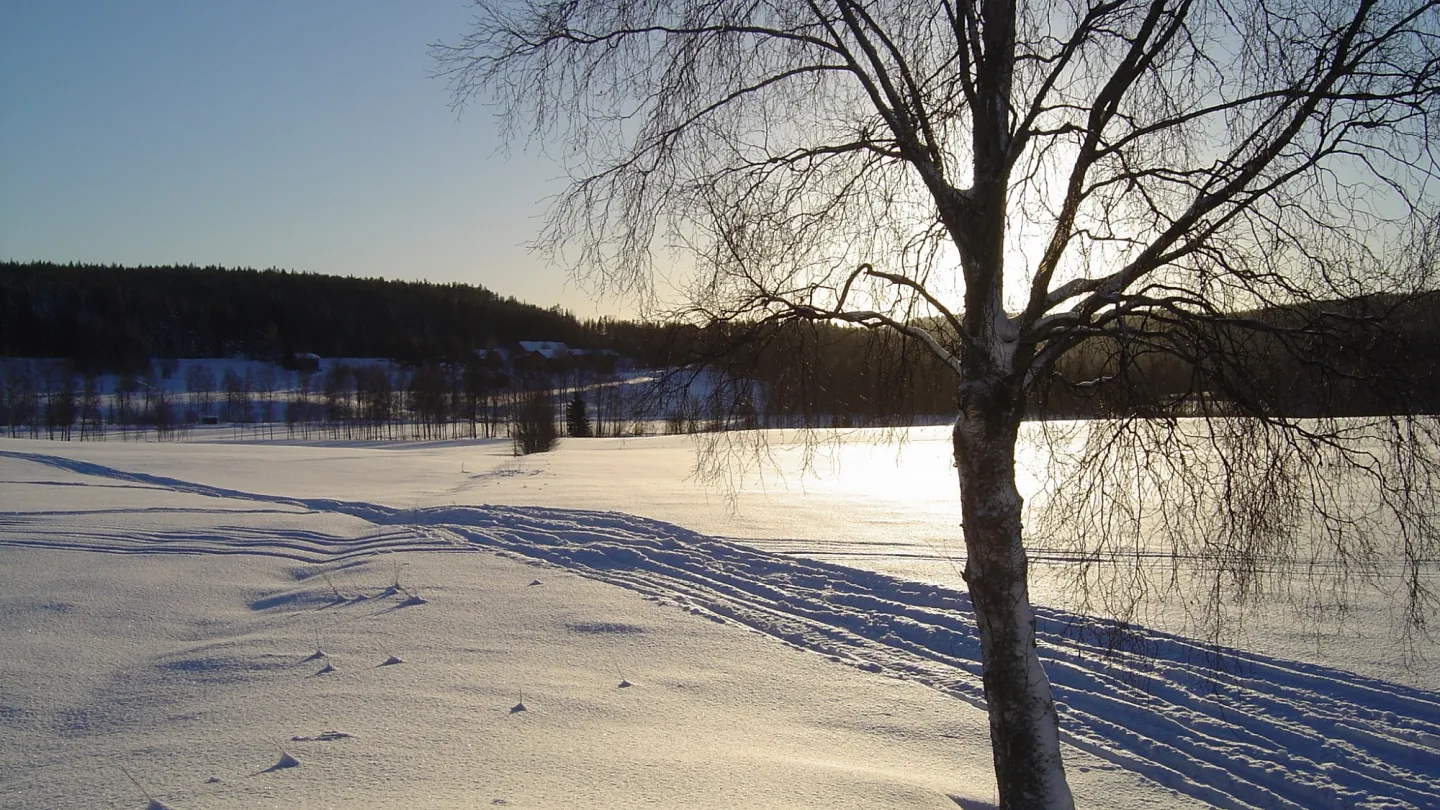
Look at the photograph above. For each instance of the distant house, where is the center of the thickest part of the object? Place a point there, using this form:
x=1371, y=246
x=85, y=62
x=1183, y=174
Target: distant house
x=547, y=349
x=545, y=356
x=551, y=356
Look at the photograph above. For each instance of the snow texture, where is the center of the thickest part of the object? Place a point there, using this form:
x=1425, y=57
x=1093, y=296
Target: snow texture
x=1152, y=722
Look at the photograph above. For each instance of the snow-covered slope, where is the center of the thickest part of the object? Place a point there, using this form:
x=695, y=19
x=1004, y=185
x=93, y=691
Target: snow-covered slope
x=162, y=607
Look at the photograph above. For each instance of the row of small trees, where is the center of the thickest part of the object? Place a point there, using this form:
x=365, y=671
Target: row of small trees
x=360, y=401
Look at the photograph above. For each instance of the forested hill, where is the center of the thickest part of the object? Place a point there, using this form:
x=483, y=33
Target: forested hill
x=115, y=318
x=1367, y=355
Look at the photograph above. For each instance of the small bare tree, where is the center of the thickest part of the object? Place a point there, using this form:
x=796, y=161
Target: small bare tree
x=532, y=423
x=200, y=383
x=269, y=385
x=92, y=421
x=1002, y=182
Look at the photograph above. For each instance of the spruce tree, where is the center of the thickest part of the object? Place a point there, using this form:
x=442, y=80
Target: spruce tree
x=576, y=420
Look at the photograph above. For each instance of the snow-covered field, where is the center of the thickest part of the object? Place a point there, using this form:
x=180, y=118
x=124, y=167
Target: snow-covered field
x=799, y=642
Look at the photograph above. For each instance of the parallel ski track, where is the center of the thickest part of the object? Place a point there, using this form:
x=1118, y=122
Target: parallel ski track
x=1259, y=732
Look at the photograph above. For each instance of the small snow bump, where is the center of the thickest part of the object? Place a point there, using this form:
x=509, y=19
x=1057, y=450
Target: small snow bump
x=285, y=761
x=324, y=736
x=535, y=582
x=603, y=628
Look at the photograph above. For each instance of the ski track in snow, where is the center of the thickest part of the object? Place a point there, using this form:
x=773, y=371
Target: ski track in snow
x=1255, y=732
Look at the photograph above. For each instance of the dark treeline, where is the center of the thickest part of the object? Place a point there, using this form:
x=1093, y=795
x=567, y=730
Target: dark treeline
x=115, y=319
x=112, y=319
x=814, y=374
x=1364, y=356
x=1361, y=356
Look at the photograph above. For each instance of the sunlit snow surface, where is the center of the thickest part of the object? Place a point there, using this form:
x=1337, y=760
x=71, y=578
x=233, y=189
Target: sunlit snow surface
x=186, y=654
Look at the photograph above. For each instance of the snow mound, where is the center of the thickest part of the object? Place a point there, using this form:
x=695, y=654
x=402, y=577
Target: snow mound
x=324, y=736
x=285, y=761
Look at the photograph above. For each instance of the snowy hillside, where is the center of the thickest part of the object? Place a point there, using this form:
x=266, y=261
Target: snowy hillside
x=200, y=614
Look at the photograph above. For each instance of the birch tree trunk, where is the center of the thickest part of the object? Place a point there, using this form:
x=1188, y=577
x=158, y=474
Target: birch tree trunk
x=1024, y=728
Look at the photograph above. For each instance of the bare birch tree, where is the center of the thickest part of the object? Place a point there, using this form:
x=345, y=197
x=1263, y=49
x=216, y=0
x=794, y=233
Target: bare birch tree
x=1001, y=182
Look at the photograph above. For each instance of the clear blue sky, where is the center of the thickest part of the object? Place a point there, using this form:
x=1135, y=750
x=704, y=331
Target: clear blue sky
x=302, y=134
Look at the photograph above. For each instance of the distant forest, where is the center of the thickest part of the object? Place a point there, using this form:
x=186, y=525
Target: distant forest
x=1380, y=356
x=115, y=319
